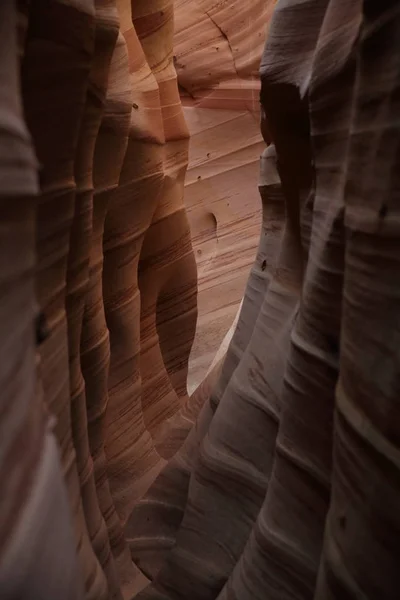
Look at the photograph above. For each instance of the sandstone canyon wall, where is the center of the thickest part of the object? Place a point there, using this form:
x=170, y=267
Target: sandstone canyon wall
x=217, y=52
x=274, y=487
x=279, y=477
x=107, y=218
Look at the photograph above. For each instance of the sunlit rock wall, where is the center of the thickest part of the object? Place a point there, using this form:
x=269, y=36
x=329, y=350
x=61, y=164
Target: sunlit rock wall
x=217, y=51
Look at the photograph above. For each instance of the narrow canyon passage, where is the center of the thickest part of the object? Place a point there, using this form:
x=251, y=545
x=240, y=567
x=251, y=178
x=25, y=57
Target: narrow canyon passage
x=199, y=299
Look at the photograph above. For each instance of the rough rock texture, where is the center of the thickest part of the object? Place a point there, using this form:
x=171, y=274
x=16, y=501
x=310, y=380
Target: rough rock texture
x=217, y=50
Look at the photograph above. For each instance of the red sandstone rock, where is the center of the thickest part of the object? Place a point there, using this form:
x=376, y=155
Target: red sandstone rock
x=287, y=484
x=36, y=537
x=54, y=81
x=106, y=32
x=217, y=51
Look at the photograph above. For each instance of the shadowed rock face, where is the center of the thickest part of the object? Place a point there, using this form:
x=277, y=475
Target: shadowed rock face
x=279, y=477
x=104, y=114
x=34, y=504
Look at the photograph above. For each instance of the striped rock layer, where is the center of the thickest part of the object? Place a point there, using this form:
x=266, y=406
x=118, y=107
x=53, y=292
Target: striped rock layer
x=279, y=478
x=97, y=212
x=291, y=491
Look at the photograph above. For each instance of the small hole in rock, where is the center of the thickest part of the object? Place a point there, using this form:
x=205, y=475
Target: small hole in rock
x=333, y=344
x=41, y=178
x=263, y=265
x=342, y=522
x=135, y=106
x=383, y=211
x=42, y=329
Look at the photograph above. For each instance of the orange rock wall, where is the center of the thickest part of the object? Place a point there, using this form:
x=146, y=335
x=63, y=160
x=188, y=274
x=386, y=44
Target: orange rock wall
x=224, y=211
x=217, y=51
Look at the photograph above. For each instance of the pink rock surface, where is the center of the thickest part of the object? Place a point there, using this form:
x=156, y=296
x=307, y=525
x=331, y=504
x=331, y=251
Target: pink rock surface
x=217, y=51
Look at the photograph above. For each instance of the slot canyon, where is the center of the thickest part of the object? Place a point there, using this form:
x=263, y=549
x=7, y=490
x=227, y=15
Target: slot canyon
x=200, y=299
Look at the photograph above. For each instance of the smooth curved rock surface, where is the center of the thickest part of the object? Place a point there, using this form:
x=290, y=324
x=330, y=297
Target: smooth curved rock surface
x=280, y=475
x=253, y=527
x=54, y=77
x=167, y=269
x=130, y=451
x=217, y=51
x=37, y=546
x=225, y=219
x=106, y=32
